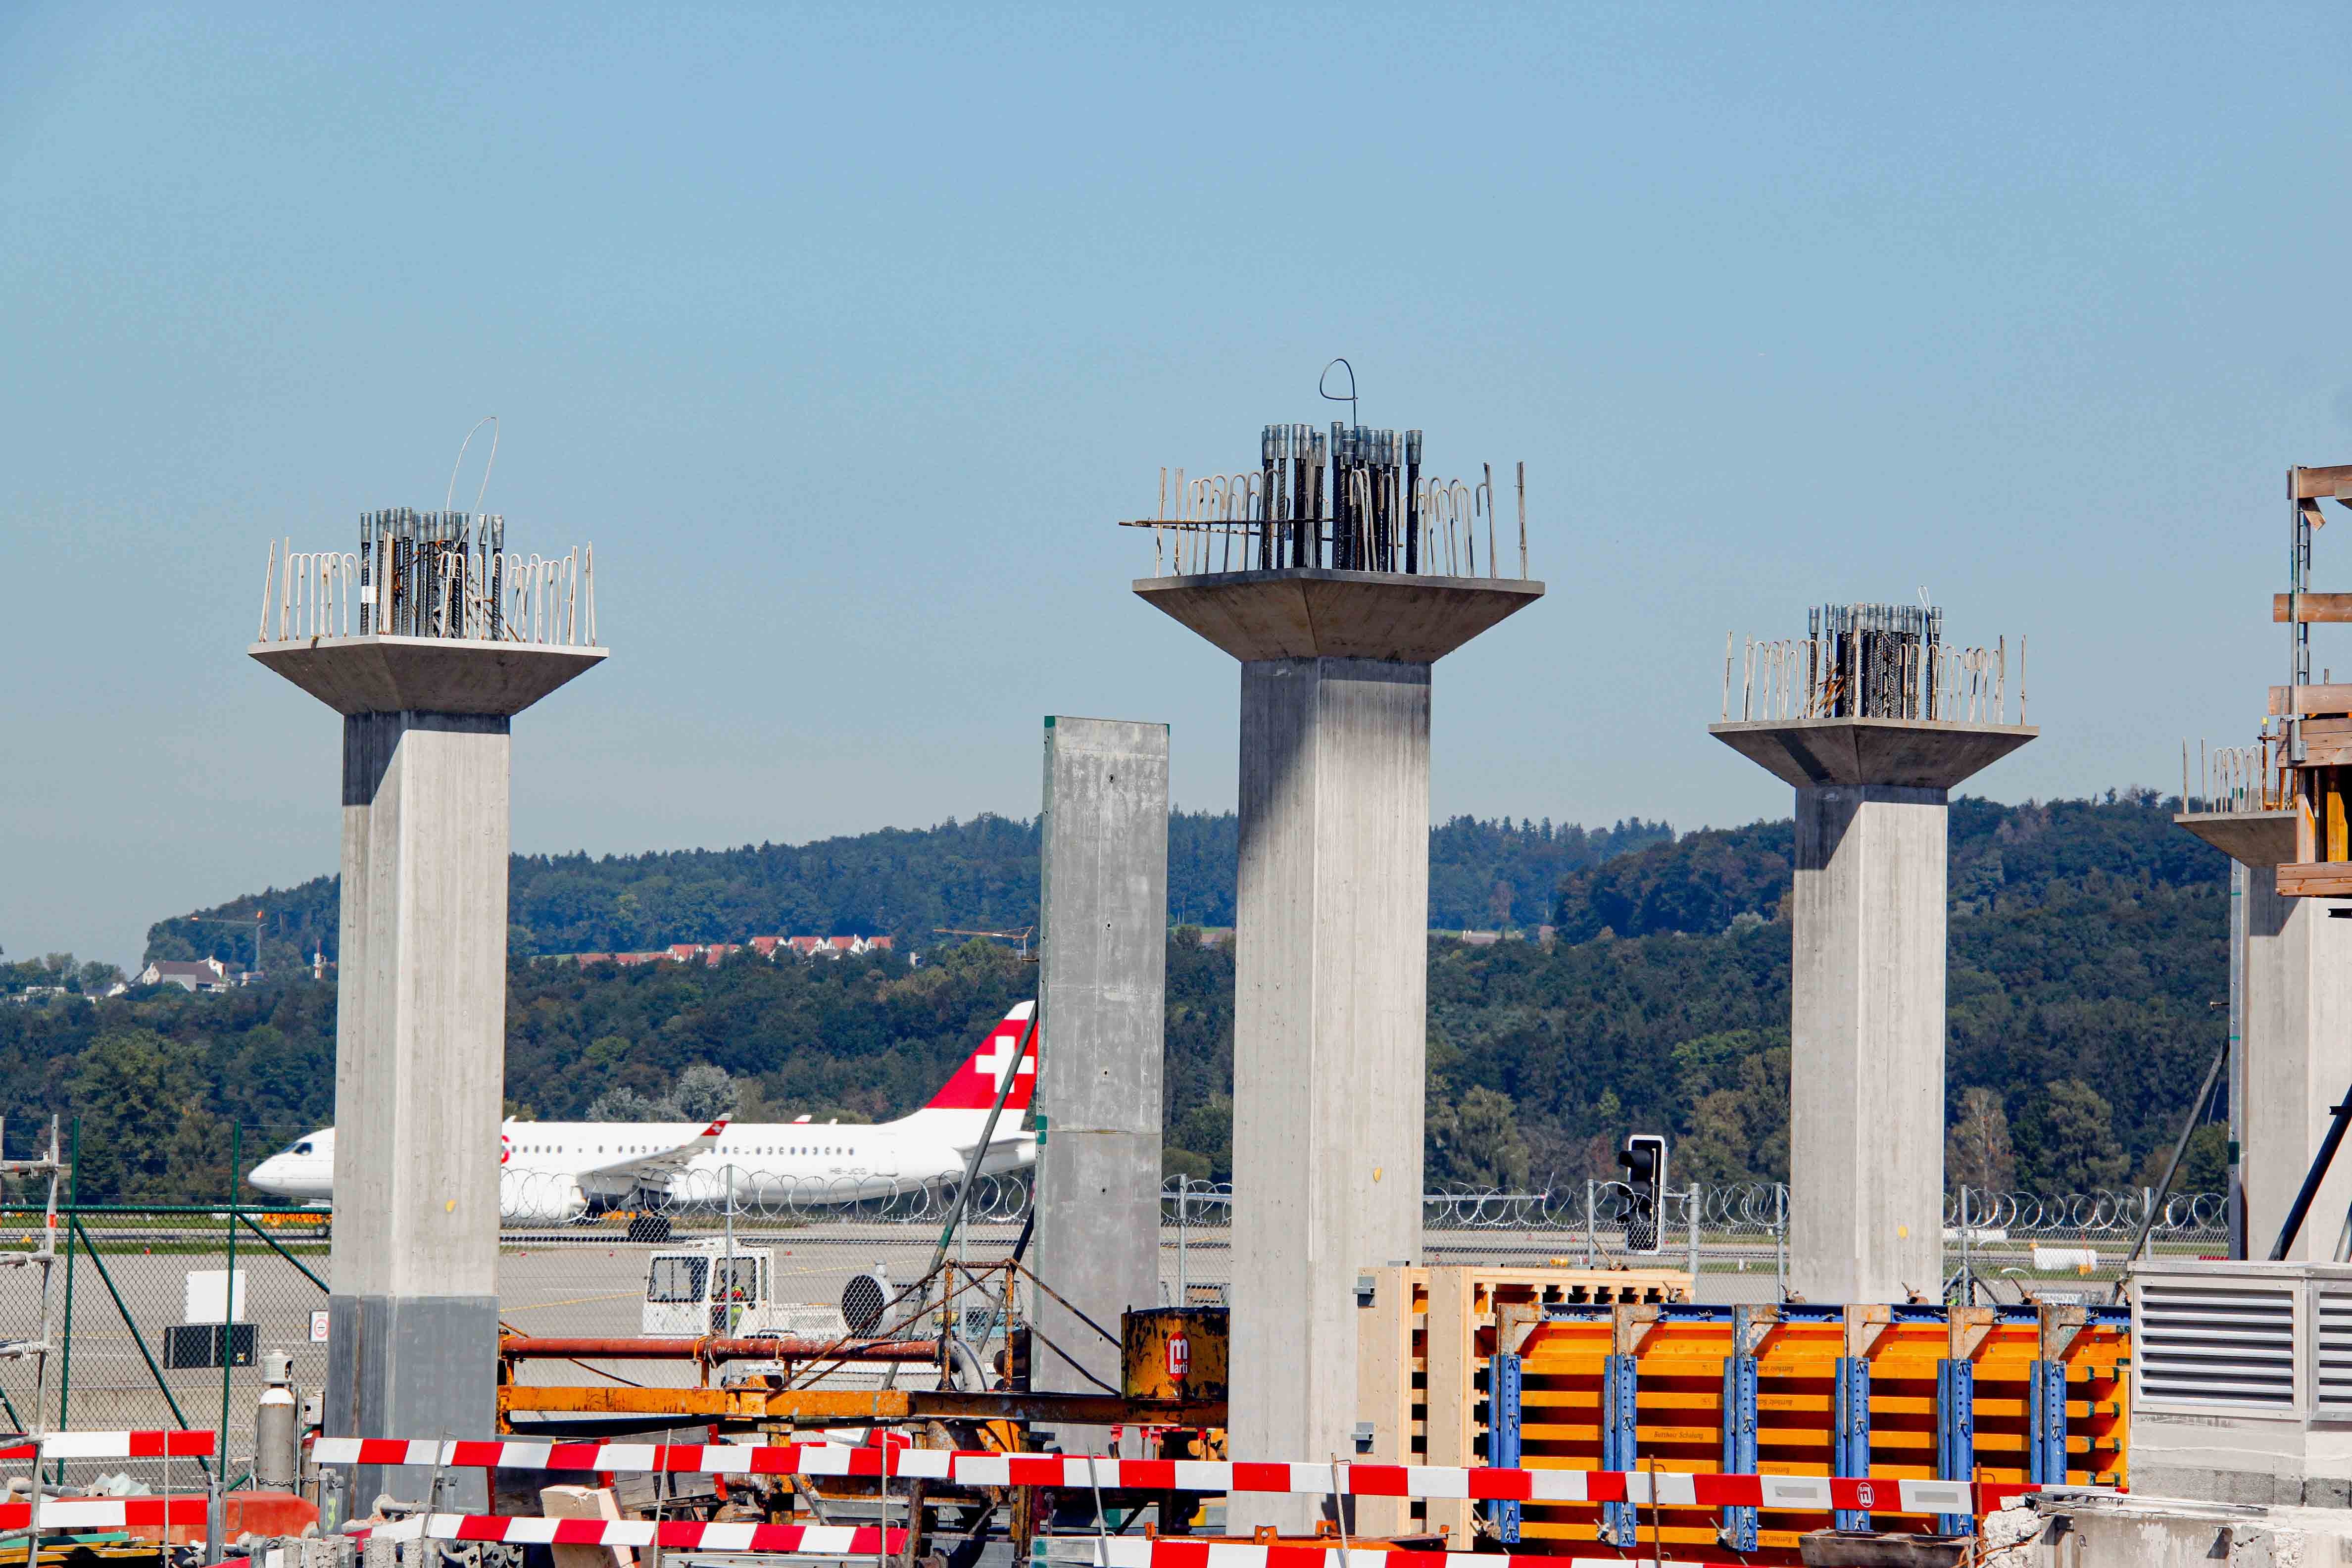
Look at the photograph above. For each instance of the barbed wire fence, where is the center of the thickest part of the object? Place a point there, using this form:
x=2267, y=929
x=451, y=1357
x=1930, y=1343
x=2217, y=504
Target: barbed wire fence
x=152, y=1312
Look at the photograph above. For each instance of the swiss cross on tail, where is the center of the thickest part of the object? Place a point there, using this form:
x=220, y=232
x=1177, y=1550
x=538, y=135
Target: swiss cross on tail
x=974, y=1085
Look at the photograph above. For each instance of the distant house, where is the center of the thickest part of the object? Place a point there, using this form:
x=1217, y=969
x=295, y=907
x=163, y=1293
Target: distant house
x=204, y=974
x=683, y=953
x=765, y=946
x=714, y=953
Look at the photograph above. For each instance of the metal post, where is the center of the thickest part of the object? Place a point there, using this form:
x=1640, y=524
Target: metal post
x=65, y=1350
x=1955, y=1435
x=1184, y=1204
x=1504, y=1449
x=228, y=1303
x=1968, y=1280
x=1851, y=1441
x=1692, y=1198
x=1780, y=1239
x=1618, y=1379
x=1739, y=1407
x=2045, y=1431
x=1590, y=1240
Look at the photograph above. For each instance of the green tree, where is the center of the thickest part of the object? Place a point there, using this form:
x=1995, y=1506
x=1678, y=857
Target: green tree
x=1978, y=1154
x=1734, y=1088
x=145, y=1132
x=2066, y=1140
x=1203, y=1139
x=1476, y=1140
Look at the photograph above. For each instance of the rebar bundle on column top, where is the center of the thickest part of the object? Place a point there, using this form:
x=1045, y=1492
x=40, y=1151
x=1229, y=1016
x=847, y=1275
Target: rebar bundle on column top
x=1871, y=661
x=430, y=575
x=1351, y=497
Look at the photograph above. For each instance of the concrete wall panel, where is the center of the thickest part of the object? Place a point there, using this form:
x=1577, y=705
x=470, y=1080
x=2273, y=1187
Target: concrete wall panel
x=1102, y=988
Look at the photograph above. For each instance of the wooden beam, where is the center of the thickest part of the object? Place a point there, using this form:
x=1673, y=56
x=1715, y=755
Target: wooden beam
x=2305, y=484
x=2336, y=698
x=2315, y=880
x=2316, y=609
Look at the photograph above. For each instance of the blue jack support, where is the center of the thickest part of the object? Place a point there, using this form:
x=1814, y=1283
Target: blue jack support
x=1849, y=1444
x=1503, y=1419
x=1740, y=1431
x=1956, y=1435
x=2045, y=1428
x=1618, y=1523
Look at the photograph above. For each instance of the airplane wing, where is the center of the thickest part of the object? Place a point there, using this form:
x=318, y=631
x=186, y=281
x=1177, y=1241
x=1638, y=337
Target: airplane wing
x=662, y=1164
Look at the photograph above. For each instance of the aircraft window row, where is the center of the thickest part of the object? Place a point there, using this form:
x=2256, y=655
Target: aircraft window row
x=558, y=1149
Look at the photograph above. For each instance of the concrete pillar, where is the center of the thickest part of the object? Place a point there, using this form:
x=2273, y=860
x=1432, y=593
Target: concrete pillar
x=1102, y=992
x=1866, y=992
x=2296, y=1051
x=420, y=1035
x=1331, y=965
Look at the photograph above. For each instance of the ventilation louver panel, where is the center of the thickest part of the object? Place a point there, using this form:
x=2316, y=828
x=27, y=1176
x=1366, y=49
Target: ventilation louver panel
x=2331, y=1376
x=2224, y=1343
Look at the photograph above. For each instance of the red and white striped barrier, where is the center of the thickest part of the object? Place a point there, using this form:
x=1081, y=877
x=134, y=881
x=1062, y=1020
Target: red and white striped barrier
x=1794, y=1494
x=1127, y=1551
x=170, y=1443
x=105, y=1513
x=817, y=1540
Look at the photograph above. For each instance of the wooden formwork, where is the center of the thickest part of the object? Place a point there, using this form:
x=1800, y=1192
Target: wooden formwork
x=1426, y=1337
x=1902, y=1411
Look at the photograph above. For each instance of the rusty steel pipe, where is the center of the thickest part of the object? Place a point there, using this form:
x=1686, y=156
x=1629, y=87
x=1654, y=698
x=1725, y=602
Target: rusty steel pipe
x=529, y=1347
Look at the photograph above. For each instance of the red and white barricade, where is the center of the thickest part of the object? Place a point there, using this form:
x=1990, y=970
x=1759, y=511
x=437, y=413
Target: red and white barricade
x=1792, y=1494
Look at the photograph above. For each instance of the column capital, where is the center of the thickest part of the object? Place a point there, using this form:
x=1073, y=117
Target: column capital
x=426, y=674
x=1912, y=753
x=1315, y=611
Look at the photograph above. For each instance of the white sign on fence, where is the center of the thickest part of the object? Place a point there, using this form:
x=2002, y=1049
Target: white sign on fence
x=318, y=1326
x=208, y=1298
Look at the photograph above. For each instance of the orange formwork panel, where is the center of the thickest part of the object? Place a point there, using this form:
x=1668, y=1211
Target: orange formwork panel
x=1993, y=1394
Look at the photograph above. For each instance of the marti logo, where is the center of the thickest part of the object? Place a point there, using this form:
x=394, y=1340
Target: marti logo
x=1863, y=1495
x=506, y=1148
x=1180, y=1356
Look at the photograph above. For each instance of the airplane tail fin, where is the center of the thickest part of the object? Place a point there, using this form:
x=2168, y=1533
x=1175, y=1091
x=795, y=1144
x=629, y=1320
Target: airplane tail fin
x=973, y=1086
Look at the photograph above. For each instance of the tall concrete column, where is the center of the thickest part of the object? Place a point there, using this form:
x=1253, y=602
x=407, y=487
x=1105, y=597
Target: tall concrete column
x=1866, y=991
x=1331, y=1024
x=1102, y=993
x=2296, y=1049
x=420, y=1033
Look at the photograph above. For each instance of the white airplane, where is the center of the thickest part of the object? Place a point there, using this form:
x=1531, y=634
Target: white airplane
x=551, y=1172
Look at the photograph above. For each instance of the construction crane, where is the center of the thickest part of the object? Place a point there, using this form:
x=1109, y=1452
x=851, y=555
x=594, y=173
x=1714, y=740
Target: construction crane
x=1019, y=938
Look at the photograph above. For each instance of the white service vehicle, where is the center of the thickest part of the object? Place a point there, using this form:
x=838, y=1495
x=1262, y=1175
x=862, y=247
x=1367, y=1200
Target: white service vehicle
x=700, y=1288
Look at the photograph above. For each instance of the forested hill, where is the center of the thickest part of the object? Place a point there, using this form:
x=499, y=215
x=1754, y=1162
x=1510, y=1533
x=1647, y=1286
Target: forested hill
x=2002, y=856
x=2088, y=962
x=978, y=875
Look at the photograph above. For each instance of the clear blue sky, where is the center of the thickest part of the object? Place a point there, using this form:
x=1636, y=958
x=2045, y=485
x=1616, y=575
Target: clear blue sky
x=845, y=335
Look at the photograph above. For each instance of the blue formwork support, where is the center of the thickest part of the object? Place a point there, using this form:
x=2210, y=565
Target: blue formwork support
x=1617, y=1414
x=1849, y=1444
x=1739, y=1438
x=1503, y=1450
x=1956, y=1435
x=2046, y=1424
